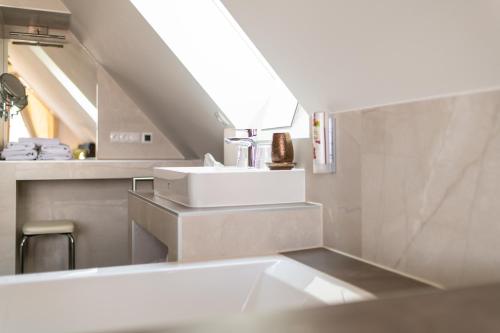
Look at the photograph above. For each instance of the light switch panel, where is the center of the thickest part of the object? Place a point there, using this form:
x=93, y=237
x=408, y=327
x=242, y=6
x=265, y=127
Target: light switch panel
x=125, y=137
x=147, y=137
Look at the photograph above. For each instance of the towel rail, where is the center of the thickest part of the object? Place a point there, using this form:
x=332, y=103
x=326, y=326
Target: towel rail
x=140, y=179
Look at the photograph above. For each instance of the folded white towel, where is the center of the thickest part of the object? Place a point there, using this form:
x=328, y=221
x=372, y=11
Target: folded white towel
x=55, y=156
x=10, y=152
x=62, y=148
x=21, y=158
x=7, y=152
x=40, y=141
x=19, y=155
x=20, y=146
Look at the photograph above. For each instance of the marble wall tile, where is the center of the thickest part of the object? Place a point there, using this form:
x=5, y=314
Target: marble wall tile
x=417, y=187
x=339, y=193
x=430, y=188
x=245, y=233
x=7, y=214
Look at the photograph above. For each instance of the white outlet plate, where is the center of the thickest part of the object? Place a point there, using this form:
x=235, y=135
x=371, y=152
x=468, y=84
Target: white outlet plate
x=125, y=137
x=114, y=137
x=133, y=137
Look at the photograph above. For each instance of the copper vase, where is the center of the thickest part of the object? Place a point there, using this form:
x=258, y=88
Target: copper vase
x=282, y=148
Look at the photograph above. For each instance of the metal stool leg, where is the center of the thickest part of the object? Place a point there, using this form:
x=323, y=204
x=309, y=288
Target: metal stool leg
x=71, y=251
x=24, y=241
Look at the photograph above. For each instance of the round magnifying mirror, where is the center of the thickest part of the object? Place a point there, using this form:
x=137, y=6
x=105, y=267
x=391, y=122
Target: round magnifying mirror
x=12, y=85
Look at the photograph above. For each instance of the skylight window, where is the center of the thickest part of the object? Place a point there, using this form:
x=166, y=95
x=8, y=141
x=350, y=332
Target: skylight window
x=216, y=51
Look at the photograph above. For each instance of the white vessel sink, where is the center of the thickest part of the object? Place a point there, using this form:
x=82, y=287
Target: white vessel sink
x=229, y=186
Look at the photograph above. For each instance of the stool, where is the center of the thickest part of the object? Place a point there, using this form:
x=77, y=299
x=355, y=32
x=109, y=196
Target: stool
x=43, y=228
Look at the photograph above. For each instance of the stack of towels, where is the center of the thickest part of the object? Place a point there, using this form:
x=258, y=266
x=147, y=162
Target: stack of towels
x=36, y=148
x=55, y=152
x=20, y=151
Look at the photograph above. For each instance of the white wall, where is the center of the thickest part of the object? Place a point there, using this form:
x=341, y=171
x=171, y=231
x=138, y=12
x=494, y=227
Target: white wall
x=339, y=55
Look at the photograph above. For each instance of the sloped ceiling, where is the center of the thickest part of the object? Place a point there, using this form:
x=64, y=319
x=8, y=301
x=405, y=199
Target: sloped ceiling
x=49, y=5
x=334, y=55
x=131, y=51
x=345, y=54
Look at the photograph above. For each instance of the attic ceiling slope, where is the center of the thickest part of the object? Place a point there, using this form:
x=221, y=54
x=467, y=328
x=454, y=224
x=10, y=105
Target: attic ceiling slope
x=341, y=55
x=46, y=5
x=140, y=62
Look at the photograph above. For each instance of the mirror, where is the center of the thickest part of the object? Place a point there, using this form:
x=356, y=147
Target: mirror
x=12, y=94
x=61, y=87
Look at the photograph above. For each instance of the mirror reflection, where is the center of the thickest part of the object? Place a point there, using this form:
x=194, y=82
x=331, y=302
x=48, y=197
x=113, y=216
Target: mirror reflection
x=61, y=87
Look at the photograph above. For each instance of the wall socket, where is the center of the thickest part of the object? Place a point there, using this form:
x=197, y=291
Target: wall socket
x=125, y=137
x=131, y=137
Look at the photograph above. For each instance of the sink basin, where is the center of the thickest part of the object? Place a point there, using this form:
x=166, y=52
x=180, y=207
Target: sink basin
x=229, y=186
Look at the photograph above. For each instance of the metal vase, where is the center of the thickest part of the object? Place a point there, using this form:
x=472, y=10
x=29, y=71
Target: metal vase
x=282, y=148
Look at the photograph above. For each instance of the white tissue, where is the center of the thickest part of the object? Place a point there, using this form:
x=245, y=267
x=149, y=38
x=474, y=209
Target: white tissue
x=209, y=161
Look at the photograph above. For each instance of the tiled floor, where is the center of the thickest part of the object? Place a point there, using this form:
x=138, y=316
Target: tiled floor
x=371, y=278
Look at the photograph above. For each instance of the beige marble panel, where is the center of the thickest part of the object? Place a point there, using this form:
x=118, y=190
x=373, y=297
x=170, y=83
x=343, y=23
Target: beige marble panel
x=146, y=248
x=7, y=220
x=157, y=221
x=99, y=209
x=430, y=188
x=118, y=113
x=339, y=193
x=249, y=233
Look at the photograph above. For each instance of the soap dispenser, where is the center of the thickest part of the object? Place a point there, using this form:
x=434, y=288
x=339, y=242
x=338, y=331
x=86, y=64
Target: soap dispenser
x=324, y=133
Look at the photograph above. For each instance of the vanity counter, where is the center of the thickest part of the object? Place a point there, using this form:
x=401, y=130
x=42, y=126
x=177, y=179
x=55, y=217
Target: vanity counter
x=15, y=172
x=85, y=169
x=199, y=234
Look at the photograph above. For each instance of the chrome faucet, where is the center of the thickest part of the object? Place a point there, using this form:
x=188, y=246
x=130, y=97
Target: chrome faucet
x=247, y=142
